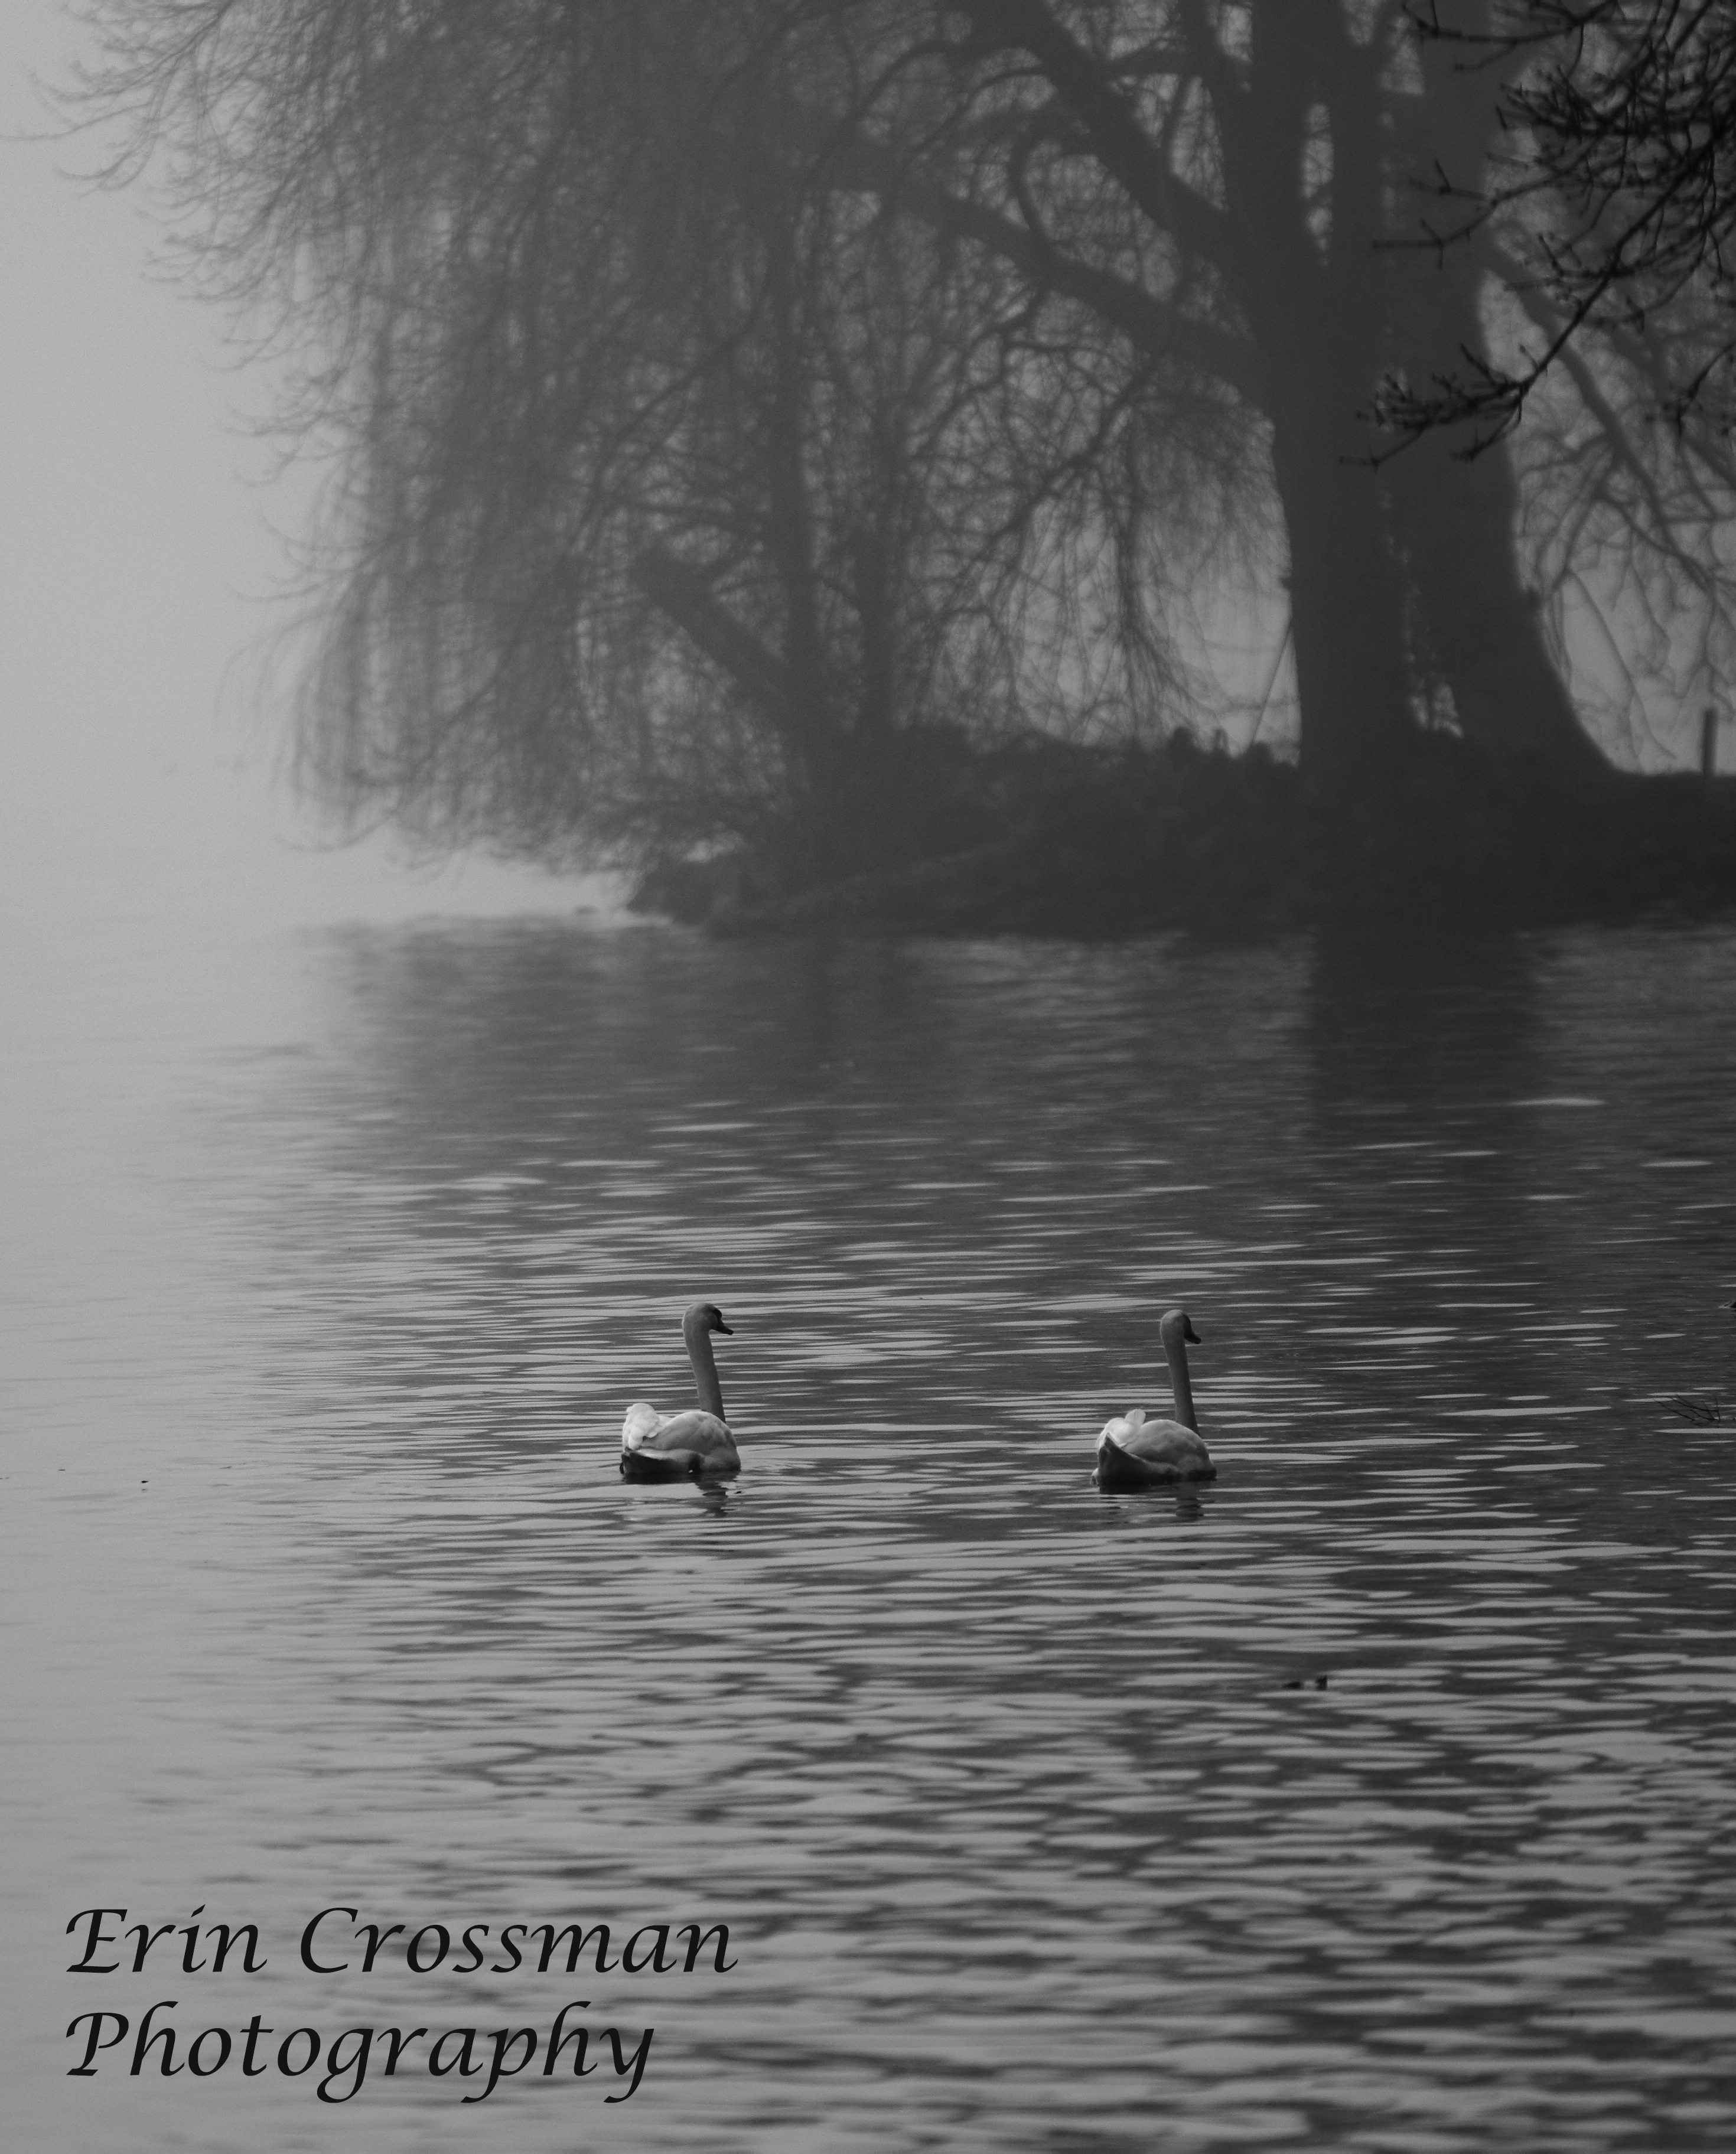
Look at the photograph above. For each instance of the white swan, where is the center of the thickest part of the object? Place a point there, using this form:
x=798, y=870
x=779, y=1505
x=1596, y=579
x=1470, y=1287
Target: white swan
x=1133, y=1452
x=658, y=1447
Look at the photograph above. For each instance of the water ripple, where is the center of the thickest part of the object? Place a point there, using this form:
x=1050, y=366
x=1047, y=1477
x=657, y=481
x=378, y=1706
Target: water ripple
x=1375, y=1796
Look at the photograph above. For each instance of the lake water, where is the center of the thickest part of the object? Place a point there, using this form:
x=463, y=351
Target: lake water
x=334, y=1259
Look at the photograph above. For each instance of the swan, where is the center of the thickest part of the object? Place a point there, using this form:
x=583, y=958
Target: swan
x=658, y=1447
x=1133, y=1452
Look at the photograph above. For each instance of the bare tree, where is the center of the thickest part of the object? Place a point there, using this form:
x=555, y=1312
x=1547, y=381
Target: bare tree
x=666, y=498
x=724, y=395
x=1616, y=197
x=1602, y=223
x=1227, y=189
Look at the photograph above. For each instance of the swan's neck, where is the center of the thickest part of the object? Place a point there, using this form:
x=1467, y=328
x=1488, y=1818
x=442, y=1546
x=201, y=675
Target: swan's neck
x=705, y=1372
x=1177, y=1353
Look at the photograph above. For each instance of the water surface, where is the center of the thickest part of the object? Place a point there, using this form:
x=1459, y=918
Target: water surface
x=337, y=1257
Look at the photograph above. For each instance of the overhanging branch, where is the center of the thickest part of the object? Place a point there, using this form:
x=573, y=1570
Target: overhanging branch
x=1154, y=328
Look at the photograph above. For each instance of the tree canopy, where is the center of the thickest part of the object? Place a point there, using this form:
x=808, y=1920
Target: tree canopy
x=1621, y=116
x=735, y=401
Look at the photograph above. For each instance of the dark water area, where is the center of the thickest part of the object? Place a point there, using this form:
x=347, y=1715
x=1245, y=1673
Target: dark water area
x=343, y=1254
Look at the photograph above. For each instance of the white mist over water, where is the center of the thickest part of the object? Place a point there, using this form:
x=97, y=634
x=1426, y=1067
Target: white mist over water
x=142, y=545
x=153, y=883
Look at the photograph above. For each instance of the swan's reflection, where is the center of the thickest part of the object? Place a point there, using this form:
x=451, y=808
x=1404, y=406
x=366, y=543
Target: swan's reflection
x=1186, y=1500
x=714, y=1495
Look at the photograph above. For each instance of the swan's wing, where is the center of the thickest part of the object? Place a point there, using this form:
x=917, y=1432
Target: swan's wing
x=641, y=1424
x=1157, y=1456
x=1118, y=1469
x=695, y=1434
x=1166, y=1443
x=1123, y=1428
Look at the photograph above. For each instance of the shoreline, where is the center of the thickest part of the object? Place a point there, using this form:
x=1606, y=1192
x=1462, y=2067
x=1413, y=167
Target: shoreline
x=1103, y=846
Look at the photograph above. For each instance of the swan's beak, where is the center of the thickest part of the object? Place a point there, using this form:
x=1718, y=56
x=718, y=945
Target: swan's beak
x=720, y=1325
x=1189, y=1333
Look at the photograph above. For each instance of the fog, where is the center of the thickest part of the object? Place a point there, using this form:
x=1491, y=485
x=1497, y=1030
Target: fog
x=143, y=570
x=1359, y=1787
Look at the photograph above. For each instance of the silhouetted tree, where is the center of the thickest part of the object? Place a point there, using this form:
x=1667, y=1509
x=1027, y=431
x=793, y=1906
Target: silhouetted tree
x=1604, y=220
x=1622, y=167
x=722, y=388
x=1227, y=189
x=663, y=494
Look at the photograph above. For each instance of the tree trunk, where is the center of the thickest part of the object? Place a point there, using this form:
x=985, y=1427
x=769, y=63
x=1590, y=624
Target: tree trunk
x=1457, y=516
x=1312, y=298
x=1457, y=523
x=818, y=757
x=1351, y=682
x=683, y=594
x=788, y=530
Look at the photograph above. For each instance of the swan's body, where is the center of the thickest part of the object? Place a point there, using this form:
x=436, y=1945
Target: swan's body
x=1133, y=1452
x=676, y=1446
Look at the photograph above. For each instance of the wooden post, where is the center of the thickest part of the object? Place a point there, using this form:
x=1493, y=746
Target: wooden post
x=1708, y=742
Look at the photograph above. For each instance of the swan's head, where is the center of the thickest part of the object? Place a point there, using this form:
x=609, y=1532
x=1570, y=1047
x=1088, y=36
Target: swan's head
x=705, y=1316
x=1177, y=1327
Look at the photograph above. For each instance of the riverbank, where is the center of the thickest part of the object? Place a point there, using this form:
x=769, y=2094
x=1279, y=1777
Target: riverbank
x=1049, y=839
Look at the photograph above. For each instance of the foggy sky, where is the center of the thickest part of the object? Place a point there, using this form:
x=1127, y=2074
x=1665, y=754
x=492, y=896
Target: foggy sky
x=137, y=555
